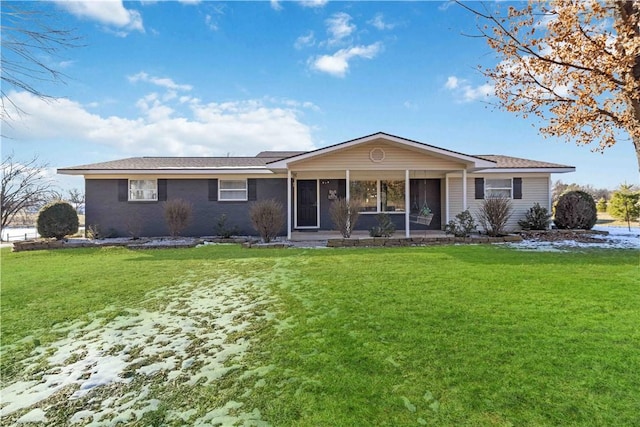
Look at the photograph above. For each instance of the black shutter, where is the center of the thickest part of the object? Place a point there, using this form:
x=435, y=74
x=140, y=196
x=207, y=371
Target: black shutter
x=252, y=190
x=162, y=190
x=213, y=190
x=517, y=188
x=342, y=188
x=479, y=188
x=123, y=190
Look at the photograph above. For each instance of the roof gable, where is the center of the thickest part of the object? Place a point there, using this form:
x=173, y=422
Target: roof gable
x=471, y=161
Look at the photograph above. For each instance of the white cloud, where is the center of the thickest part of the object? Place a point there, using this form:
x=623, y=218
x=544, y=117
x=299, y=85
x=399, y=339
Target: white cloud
x=465, y=92
x=241, y=127
x=378, y=22
x=339, y=27
x=190, y=2
x=446, y=5
x=313, y=3
x=452, y=82
x=158, y=81
x=275, y=5
x=338, y=63
x=111, y=13
x=305, y=40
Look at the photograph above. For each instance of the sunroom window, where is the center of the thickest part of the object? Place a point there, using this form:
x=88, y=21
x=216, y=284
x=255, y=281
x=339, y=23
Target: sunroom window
x=497, y=188
x=143, y=190
x=379, y=196
x=232, y=190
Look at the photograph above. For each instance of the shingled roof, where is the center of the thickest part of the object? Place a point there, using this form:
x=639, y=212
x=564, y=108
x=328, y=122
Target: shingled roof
x=164, y=163
x=507, y=162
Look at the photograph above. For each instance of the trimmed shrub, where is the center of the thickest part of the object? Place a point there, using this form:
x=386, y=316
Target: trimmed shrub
x=57, y=219
x=462, y=226
x=493, y=215
x=385, y=227
x=223, y=230
x=536, y=218
x=268, y=218
x=575, y=210
x=177, y=213
x=344, y=214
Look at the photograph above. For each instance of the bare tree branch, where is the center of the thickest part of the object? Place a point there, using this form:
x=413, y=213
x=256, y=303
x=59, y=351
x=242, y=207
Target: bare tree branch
x=23, y=186
x=28, y=43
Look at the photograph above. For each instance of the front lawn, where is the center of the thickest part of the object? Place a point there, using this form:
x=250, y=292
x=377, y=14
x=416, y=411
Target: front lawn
x=443, y=336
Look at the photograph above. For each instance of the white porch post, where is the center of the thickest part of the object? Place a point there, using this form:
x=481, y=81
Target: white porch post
x=347, y=192
x=446, y=198
x=464, y=189
x=288, y=204
x=407, y=204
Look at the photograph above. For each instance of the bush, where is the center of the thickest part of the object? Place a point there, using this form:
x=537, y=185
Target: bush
x=223, y=230
x=385, y=227
x=344, y=214
x=536, y=218
x=57, y=219
x=462, y=226
x=268, y=218
x=601, y=205
x=134, y=225
x=575, y=210
x=493, y=215
x=177, y=213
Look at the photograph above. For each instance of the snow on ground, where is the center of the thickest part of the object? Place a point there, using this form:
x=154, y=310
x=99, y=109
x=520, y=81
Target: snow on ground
x=196, y=333
x=617, y=238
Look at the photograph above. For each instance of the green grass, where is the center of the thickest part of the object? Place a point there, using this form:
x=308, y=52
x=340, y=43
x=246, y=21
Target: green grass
x=444, y=336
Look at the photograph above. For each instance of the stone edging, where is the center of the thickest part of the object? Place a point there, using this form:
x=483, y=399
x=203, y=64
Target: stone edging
x=418, y=241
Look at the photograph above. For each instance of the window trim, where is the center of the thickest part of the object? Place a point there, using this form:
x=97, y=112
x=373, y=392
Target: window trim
x=129, y=199
x=221, y=190
x=487, y=195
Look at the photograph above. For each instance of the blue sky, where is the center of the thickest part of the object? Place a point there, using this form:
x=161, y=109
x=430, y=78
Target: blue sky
x=234, y=78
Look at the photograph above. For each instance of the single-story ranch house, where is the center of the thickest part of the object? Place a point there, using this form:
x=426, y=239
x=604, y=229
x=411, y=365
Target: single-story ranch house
x=387, y=173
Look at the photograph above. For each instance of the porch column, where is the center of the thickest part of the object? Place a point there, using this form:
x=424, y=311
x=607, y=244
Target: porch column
x=288, y=204
x=446, y=198
x=347, y=192
x=407, y=204
x=464, y=189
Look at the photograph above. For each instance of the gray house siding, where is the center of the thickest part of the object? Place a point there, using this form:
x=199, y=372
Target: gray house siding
x=120, y=217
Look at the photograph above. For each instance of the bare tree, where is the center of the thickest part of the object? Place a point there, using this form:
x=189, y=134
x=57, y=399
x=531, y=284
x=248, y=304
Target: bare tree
x=76, y=197
x=24, y=186
x=574, y=64
x=28, y=43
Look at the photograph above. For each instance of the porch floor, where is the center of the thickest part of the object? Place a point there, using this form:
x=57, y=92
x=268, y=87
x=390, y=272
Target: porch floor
x=321, y=235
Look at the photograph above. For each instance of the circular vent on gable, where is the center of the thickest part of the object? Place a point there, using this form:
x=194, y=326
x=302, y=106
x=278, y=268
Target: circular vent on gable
x=376, y=155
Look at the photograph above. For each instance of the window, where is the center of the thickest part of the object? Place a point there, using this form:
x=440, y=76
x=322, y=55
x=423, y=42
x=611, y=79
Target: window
x=497, y=188
x=379, y=196
x=143, y=190
x=232, y=190
x=392, y=196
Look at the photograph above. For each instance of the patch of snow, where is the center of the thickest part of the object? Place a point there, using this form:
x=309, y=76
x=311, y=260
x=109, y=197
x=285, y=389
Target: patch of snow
x=188, y=339
x=613, y=238
x=35, y=416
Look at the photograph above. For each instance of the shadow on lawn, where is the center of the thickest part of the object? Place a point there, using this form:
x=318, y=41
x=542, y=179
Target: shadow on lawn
x=481, y=255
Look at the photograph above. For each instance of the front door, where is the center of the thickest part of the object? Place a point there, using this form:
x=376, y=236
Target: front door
x=307, y=202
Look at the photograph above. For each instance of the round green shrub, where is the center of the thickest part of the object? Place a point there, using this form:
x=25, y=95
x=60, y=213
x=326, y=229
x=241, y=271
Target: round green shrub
x=575, y=210
x=57, y=219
